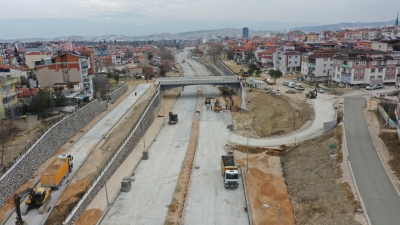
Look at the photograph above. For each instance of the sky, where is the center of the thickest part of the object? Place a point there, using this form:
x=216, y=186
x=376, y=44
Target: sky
x=54, y=18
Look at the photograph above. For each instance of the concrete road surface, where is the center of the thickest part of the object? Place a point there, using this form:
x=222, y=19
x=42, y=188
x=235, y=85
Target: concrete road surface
x=209, y=201
x=381, y=200
x=324, y=112
x=155, y=179
x=82, y=148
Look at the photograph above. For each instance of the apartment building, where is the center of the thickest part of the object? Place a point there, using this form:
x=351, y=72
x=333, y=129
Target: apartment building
x=287, y=60
x=397, y=113
x=3, y=53
x=32, y=57
x=316, y=67
x=69, y=69
x=355, y=67
x=8, y=97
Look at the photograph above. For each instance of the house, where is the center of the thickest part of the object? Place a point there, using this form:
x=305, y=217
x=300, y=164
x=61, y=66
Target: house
x=355, y=67
x=134, y=69
x=32, y=57
x=287, y=60
x=9, y=105
x=3, y=53
x=316, y=67
x=65, y=69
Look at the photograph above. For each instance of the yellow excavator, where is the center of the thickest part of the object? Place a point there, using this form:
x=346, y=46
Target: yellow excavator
x=217, y=105
x=207, y=101
x=34, y=197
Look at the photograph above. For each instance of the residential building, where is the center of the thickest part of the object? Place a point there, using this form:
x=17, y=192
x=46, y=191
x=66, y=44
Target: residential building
x=245, y=32
x=67, y=68
x=8, y=97
x=32, y=57
x=397, y=111
x=355, y=67
x=101, y=50
x=316, y=67
x=3, y=53
x=116, y=59
x=287, y=60
x=134, y=69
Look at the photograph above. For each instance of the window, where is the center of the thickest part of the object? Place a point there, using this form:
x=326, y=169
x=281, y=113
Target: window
x=325, y=59
x=379, y=77
x=339, y=61
x=371, y=77
x=363, y=62
x=372, y=70
x=357, y=71
x=355, y=78
x=288, y=69
x=324, y=65
x=357, y=63
x=331, y=65
x=295, y=57
x=334, y=61
x=373, y=62
x=389, y=62
x=290, y=57
x=362, y=78
x=295, y=61
x=380, y=70
x=394, y=61
x=290, y=62
x=324, y=71
x=362, y=71
x=393, y=69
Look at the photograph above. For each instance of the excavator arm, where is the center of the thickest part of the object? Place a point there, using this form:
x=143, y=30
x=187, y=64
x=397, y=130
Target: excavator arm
x=17, y=201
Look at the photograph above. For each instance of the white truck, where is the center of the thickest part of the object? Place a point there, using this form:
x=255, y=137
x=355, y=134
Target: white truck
x=230, y=171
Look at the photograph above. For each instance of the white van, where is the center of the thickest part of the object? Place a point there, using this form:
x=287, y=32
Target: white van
x=291, y=84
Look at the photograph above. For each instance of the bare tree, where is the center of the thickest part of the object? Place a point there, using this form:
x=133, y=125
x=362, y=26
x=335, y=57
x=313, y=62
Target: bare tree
x=215, y=50
x=7, y=129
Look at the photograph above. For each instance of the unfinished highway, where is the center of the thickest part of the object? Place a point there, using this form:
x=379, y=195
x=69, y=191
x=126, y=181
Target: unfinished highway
x=82, y=148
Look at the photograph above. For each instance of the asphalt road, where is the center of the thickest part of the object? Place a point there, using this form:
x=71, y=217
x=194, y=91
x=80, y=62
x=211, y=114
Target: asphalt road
x=209, y=202
x=381, y=200
x=155, y=178
x=82, y=148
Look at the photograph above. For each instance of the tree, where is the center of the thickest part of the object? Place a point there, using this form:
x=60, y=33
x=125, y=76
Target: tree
x=230, y=53
x=276, y=74
x=100, y=84
x=250, y=56
x=7, y=128
x=24, y=81
x=258, y=73
x=60, y=99
x=40, y=102
x=116, y=78
x=16, y=54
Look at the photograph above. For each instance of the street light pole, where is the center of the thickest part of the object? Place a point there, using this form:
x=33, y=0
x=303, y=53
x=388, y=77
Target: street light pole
x=370, y=99
x=277, y=208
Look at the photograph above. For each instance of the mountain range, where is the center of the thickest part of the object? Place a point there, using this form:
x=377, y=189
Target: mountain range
x=340, y=26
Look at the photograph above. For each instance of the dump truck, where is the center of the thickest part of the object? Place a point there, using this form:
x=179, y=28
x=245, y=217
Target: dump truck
x=55, y=174
x=230, y=171
x=173, y=118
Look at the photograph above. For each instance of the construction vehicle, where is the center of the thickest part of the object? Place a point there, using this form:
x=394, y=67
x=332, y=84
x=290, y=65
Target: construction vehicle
x=312, y=94
x=217, y=105
x=208, y=101
x=34, y=197
x=55, y=174
x=230, y=171
x=173, y=118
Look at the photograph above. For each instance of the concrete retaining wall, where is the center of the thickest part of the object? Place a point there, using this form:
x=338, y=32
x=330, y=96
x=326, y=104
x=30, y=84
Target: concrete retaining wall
x=117, y=93
x=129, y=144
x=385, y=116
x=48, y=144
x=224, y=68
x=331, y=124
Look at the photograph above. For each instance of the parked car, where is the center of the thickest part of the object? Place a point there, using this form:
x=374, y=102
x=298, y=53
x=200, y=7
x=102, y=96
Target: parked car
x=291, y=84
x=295, y=80
x=320, y=90
x=299, y=87
x=285, y=83
x=372, y=87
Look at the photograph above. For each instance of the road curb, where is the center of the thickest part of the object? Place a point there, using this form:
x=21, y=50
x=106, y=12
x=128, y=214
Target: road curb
x=246, y=197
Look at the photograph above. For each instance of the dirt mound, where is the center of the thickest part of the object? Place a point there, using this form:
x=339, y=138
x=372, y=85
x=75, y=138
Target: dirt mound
x=270, y=115
x=89, y=217
x=310, y=175
x=290, y=92
x=256, y=150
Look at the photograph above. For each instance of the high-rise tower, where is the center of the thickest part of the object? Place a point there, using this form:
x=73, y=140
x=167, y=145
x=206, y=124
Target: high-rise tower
x=396, y=26
x=245, y=32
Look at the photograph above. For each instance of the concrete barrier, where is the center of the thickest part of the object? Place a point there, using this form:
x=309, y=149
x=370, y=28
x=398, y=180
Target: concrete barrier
x=331, y=124
x=385, y=116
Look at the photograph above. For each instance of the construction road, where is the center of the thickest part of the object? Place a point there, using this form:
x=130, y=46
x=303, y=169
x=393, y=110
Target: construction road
x=155, y=179
x=82, y=148
x=382, y=202
x=209, y=202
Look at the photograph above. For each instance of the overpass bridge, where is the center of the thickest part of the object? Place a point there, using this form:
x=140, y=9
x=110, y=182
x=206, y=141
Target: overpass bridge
x=167, y=83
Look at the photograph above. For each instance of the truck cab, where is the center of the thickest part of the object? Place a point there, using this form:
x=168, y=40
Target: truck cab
x=70, y=158
x=231, y=179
